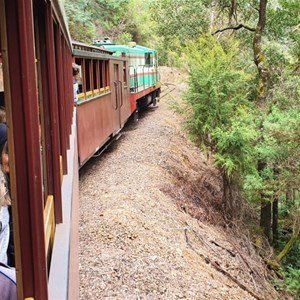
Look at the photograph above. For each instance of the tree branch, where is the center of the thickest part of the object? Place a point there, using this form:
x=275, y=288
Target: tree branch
x=255, y=8
x=235, y=28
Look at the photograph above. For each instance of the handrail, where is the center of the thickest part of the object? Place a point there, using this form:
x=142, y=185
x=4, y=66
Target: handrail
x=116, y=95
x=121, y=94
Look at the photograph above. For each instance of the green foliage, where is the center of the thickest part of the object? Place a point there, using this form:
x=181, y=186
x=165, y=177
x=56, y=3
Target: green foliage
x=124, y=38
x=222, y=118
x=177, y=23
x=280, y=146
x=91, y=18
x=278, y=57
x=283, y=20
x=121, y=20
x=279, y=143
x=110, y=17
x=186, y=19
x=139, y=23
x=295, y=50
x=234, y=143
x=253, y=186
x=291, y=282
x=80, y=21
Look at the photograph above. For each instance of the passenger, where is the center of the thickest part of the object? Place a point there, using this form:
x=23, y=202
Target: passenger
x=4, y=219
x=75, y=81
x=5, y=169
x=2, y=115
x=8, y=288
x=4, y=203
x=3, y=135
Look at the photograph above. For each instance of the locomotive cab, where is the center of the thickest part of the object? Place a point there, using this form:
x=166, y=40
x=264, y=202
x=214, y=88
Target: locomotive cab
x=143, y=72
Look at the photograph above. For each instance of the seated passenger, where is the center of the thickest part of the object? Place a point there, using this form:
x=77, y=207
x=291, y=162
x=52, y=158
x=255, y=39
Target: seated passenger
x=5, y=169
x=2, y=115
x=75, y=81
x=8, y=288
x=4, y=203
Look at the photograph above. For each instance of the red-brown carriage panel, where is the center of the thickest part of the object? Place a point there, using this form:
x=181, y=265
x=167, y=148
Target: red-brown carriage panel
x=97, y=120
x=24, y=148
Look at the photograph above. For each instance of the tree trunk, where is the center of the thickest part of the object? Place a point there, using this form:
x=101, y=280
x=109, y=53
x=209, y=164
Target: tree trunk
x=262, y=93
x=259, y=56
x=275, y=221
x=212, y=16
x=265, y=206
x=227, y=197
x=266, y=217
x=287, y=248
x=289, y=196
x=232, y=12
x=295, y=236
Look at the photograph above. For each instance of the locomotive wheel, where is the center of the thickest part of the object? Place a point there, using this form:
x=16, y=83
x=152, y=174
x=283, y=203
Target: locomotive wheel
x=154, y=101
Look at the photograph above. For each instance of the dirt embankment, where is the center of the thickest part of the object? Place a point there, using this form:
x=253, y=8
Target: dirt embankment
x=146, y=226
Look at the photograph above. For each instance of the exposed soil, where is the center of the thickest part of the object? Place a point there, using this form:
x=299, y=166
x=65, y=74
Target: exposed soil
x=148, y=229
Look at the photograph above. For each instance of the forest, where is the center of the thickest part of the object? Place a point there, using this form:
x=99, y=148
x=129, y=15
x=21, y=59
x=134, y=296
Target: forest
x=242, y=107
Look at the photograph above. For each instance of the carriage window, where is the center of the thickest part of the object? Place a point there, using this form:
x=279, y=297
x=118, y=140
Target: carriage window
x=104, y=72
x=79, y=63
x=104, y=75
x=88, y=79
x=100, y=73
x=107, y=73
x=95, y=76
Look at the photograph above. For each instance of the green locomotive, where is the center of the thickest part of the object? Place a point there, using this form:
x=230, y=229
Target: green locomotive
x=142, y=70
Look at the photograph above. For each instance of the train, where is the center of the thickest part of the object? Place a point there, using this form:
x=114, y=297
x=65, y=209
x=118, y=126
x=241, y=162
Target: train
x=50, y=136
x=116, y=82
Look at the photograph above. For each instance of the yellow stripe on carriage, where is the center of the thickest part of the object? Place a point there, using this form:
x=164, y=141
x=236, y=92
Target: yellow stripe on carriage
x=80, y=96
x=96, y=92
x=89, y=94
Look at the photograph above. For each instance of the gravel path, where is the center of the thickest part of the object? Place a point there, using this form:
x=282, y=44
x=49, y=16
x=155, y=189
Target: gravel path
x=135, y=242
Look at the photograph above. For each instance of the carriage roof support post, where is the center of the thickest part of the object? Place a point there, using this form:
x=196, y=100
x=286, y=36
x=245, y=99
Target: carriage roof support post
x=24, y=148
x=61, y=96
x=52, y=103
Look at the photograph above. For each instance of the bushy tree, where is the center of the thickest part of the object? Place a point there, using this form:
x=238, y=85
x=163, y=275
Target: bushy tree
x=222, y=119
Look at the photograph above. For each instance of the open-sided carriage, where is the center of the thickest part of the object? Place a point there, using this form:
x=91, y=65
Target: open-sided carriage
x=36, y=55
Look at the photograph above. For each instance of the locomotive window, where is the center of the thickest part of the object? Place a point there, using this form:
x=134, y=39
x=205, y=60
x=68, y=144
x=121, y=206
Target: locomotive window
x=124, y=74
x=148, y=58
